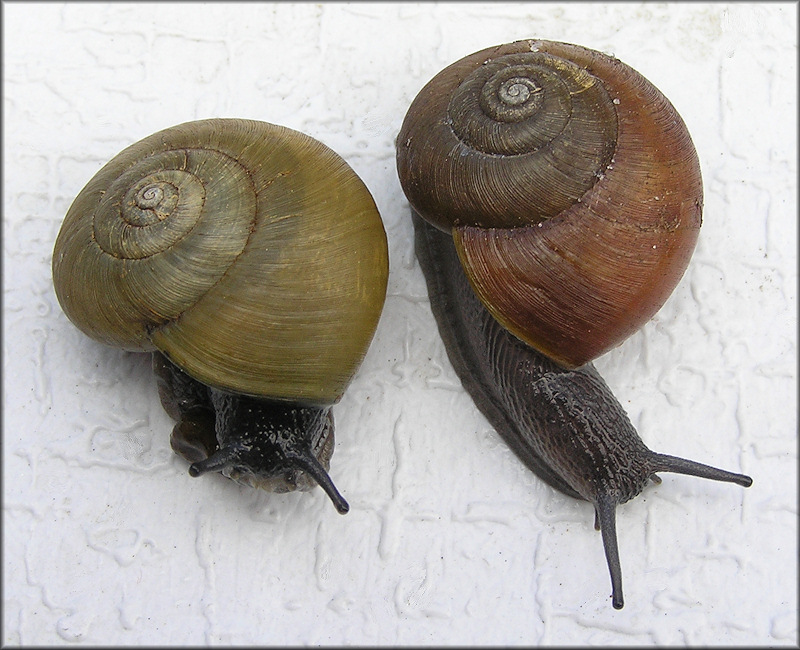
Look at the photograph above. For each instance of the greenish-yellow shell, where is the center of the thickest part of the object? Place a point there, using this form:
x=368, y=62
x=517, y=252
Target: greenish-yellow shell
x=252, y=255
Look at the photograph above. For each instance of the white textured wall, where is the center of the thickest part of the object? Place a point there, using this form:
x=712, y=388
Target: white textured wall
x=106, y=538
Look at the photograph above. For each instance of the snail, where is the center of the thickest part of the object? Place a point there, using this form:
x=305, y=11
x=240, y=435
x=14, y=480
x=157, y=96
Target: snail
x=252, y=260
x=556, y=198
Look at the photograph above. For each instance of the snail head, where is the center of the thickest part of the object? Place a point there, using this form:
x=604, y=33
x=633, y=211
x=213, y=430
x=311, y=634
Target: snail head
x=277, y=446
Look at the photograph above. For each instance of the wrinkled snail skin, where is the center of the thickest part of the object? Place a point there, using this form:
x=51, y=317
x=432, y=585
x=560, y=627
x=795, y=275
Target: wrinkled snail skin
x=253, y=261
x=551, y=406
x=276, y=446
x=564, y=424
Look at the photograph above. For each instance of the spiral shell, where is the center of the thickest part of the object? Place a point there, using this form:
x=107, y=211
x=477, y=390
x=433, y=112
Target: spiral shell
x=570, y=185
x=248, y=253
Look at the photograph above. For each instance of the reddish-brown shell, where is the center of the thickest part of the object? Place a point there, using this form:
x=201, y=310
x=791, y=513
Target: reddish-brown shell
x=570, y=184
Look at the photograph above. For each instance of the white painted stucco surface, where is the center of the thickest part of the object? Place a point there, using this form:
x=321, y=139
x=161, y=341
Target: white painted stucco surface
x=450, y=540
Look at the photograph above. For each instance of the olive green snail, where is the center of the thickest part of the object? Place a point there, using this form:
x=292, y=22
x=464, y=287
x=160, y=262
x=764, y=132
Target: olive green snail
x=253, y=261
x=556, y=197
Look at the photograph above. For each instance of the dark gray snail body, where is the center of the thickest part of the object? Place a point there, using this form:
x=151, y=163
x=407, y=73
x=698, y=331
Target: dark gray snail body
x=556, y=199
x=273, y=445
x=565, y=425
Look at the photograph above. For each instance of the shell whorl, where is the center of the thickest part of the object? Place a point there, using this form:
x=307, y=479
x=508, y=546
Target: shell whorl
x=529, y=130
x=570, y=185
x=250, y=254
x=139, y=228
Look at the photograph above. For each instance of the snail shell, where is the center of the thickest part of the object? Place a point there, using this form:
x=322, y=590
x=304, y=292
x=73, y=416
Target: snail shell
x=570, y=184
x=556, y=199
x=250, y=255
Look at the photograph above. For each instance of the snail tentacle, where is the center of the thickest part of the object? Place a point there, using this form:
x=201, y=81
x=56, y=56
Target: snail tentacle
x=309, y=464
x=222, y=459
x=605, y=509
x=676, y=465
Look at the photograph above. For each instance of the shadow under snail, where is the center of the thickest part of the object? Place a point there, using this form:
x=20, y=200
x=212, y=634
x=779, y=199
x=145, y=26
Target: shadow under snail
x=253, y=260
x=556, y=198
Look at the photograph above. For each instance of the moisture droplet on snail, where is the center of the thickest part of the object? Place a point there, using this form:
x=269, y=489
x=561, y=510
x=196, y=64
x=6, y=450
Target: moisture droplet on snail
x=252, y=260
x=556, y=198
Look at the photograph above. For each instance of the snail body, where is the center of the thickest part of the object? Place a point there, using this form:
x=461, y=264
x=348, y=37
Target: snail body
x=524, y=303
x=253, y=261
x=564, y=424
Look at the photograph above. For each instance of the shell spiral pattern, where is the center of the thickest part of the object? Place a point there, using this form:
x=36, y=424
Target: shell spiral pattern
x=225, y=244
x=521, y=150
x=552, y=117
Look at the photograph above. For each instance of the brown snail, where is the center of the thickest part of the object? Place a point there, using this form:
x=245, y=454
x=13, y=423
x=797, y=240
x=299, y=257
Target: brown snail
x=556, y=197
x=253, y=260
